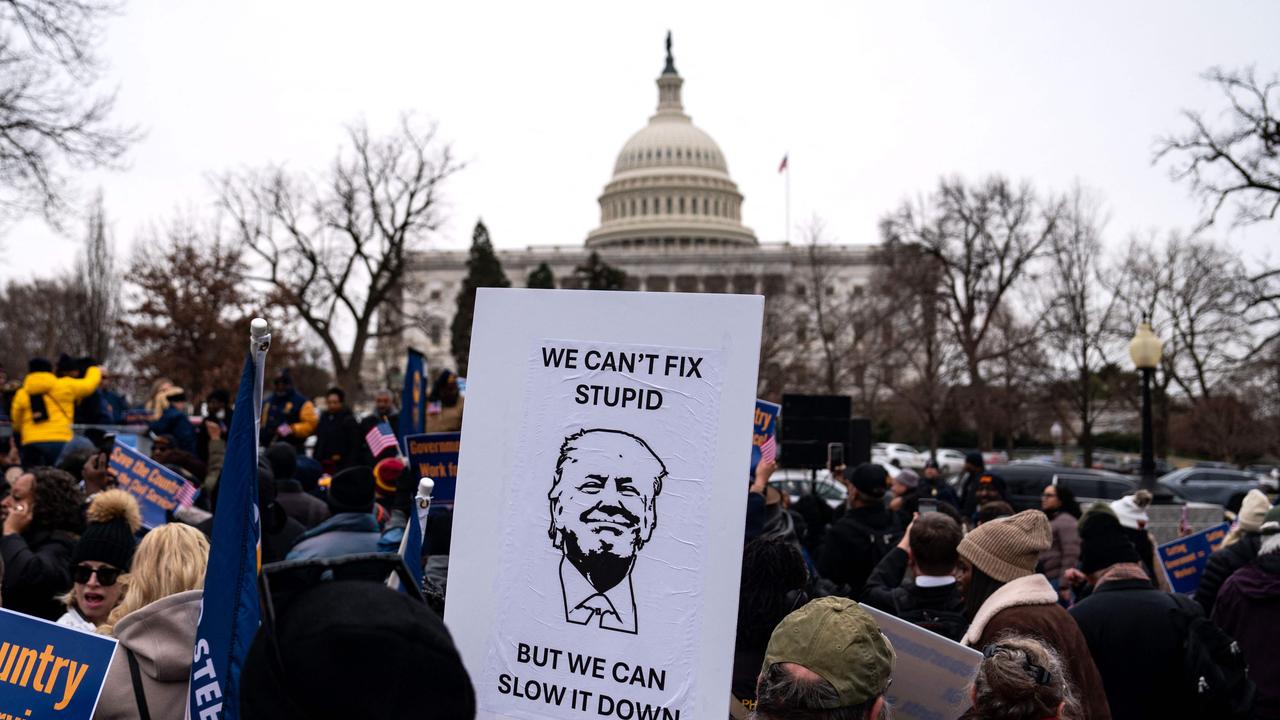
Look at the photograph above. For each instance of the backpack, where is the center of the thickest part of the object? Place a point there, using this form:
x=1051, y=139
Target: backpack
x=1214, y=667
x=39, y=413
x=949, y=624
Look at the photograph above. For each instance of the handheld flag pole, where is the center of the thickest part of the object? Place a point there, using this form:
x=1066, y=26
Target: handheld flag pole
x=411, y=541
x=229, y=606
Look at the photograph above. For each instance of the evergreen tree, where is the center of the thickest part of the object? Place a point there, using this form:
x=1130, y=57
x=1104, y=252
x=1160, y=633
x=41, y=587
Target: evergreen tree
x=597, y=274
x=483, y=270
x=542, y=277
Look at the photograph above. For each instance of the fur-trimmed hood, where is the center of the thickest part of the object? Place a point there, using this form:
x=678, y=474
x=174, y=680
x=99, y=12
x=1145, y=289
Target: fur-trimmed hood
x=1031, y=589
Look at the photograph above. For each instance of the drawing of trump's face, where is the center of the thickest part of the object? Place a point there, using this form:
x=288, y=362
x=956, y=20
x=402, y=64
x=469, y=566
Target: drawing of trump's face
x=604, y=502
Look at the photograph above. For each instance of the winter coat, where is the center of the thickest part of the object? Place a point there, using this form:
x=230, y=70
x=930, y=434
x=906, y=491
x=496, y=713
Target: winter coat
x=1065, y=551
x=161, y=636
x=887, y=591
x=938, y=490
x=1135, y=641
x=342, y=534
x=60, y=397
x=1248, y=609
x=1222, y=564
x=291, y=409
x=176, y=424
x=338, y=441
x=436, y=571
x=299, y=505
x=968, y=500
x=1029, y=606
x=855, y=543
x=37, y=568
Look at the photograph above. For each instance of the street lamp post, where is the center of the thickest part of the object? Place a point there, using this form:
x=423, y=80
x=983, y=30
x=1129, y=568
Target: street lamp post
x=1145, y=349
x=1056, y=432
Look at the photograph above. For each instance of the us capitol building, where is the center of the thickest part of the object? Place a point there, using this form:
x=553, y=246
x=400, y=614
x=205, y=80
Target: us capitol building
x=671, y=218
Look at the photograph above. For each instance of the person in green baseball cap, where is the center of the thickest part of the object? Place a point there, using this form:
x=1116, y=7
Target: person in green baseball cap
x=826, y=661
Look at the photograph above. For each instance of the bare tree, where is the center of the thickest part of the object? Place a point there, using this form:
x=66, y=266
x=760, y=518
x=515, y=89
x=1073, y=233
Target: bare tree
x=1195, y=293
x=984, y=239
x=843, y=327
x=98, y=286
x=33, y=321
x=1081, y=316
x=189, y=309
x=821, y=309
x=923, y=359
x=51, y=120
x=336, y=251
x=1238, y=162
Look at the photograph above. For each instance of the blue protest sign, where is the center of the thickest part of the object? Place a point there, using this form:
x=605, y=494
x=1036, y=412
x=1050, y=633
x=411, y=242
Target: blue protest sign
x=157, y=488
x=1184, y=559
x=435, y=456
x=50, y=671
x=764, y=436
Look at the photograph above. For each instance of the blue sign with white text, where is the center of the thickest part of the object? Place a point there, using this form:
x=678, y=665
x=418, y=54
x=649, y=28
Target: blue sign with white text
x=157, y=489
x=1184, y=559
x=435, y=456
x=50, y=671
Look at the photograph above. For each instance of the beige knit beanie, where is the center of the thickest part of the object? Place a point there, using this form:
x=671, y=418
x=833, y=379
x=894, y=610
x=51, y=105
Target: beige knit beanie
x=1252, y=510
x=1008, y=548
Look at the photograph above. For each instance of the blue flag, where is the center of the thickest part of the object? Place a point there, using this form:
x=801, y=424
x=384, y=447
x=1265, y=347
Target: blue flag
x=411, y=549
x=230, y=612
x=413, y=398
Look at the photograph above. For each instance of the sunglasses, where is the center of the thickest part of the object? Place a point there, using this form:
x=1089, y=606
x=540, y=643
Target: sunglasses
x=107, y=576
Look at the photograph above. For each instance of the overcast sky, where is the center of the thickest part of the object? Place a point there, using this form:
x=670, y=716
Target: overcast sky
x=873, y=101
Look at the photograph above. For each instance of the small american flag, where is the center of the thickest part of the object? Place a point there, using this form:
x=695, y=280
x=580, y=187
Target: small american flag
x=187, y=494
x=769, y=449
x=380, y=438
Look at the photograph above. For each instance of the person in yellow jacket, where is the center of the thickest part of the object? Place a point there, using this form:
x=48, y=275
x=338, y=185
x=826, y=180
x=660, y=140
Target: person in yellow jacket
x=286, y=415
x=44, y=407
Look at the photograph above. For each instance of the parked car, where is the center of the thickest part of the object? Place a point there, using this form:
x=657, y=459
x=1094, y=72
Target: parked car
x=1025, y=481
x=950, y=462
x=1268, y=475
x=907, y=456
x=797, y=482
x=1133, y=466
x=1220, y=486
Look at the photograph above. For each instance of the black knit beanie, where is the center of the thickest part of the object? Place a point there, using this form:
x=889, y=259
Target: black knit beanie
x=1103, y=544
x=113, y=518
x=351, y=490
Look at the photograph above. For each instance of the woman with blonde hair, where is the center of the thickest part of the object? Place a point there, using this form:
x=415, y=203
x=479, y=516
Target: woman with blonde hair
x=1022, y=679
x=156, y=626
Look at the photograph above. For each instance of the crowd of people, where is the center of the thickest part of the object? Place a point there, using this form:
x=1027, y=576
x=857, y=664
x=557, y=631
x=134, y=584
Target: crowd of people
x=1067, y=605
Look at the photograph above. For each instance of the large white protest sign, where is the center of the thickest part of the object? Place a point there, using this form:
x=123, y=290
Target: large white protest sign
x=598, y=537
x=932, y=675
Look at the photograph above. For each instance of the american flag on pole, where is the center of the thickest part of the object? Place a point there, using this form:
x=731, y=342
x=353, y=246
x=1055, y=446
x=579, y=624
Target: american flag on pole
x=769, y=449
x=783, y=165
x=380, y=438
x=187, y=494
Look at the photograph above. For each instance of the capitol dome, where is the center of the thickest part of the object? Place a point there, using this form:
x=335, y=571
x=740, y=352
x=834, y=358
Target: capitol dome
x=671, y=186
